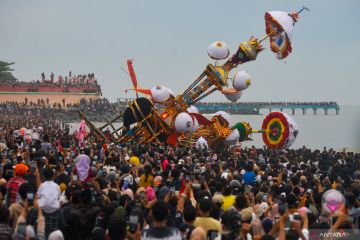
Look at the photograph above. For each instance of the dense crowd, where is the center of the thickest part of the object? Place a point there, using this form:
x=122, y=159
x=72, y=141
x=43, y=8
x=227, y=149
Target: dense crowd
x=81, y=80
x=28, y=112
x=51, y=188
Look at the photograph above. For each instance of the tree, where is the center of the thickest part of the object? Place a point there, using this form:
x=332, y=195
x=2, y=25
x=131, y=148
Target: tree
x=6, y=75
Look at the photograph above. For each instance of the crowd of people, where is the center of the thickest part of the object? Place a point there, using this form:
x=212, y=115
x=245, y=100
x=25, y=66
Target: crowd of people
x=28, y=112
x=87, y=81
x=52, y=188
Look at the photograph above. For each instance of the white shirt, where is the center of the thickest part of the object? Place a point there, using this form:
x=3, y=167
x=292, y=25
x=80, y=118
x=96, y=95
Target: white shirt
x=49, y=194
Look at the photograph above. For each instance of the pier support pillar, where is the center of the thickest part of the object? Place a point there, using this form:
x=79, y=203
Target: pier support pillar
x=281, y=109
x=315, y=111
x=304, y=111
x=293, y=111
x=326, y=111
x=270, y=110
x=337, y=111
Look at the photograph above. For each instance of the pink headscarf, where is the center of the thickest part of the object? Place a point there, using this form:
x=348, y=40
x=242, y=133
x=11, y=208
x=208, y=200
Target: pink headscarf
x=81, y=133
x=164, y=164
x=82, y=166
x=150, y=193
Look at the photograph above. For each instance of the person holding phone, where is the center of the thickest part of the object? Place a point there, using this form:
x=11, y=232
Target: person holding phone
x=12, y=195
x=159, y=229
x=16, y=208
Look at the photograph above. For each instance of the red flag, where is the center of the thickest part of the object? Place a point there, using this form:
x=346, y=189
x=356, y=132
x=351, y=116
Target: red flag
x=60, y=149
x=132, y=72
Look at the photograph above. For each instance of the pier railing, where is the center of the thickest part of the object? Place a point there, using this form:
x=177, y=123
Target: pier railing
x=255, y=107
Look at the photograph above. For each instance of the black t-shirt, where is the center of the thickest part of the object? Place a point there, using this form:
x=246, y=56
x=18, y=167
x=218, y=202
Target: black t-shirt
x=165, y=233
x=186, y=230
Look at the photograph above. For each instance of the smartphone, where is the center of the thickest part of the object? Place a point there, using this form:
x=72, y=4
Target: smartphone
x=187, y=177
x=30, y=198
x=265, y=197
x=142, y=195
x=10, y=172
x=60, y=158
x=75, y=178
x=117, y=176
x=202, y=178
x=32, y=166
x=172, y=189
x=309, y=191
x=125, y=185
x=133, y=222
x=68, y=169
x=297, y=217
x=34, y=150
x=247, y=189
x=213, y=235
x=288, y=222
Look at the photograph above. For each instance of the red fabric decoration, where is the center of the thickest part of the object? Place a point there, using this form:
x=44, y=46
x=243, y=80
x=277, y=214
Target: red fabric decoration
x=201, y=119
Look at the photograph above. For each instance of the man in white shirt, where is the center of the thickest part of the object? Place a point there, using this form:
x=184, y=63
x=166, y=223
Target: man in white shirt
x=49, y=193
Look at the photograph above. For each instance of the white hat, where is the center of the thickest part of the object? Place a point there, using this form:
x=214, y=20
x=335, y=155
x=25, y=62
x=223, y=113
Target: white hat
x=56, y=235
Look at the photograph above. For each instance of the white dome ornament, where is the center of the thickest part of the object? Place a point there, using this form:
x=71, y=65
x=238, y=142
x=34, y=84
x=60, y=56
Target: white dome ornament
x=184, y=122
x=218, y=50
x=233, y=136
x=233, y=96
x=192, y=109
x=201, y=143
x=224, y=115
x=241, y=81
x=170, y=91
x=160, y=94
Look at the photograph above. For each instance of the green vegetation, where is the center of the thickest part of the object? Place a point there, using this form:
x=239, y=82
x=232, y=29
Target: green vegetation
x=6, y=76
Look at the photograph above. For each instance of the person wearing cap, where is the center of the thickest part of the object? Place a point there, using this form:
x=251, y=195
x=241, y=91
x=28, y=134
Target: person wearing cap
x=13, y=184
x=204, y=220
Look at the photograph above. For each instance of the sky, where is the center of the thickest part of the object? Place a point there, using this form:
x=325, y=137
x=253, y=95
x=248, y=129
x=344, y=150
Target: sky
x=168, y=41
